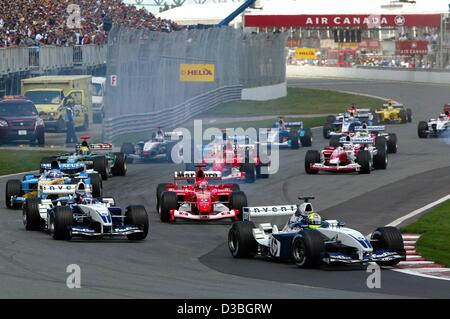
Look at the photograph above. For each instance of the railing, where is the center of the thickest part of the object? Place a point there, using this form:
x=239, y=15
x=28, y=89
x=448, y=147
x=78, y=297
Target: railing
x=176, y=115
x=47, y=58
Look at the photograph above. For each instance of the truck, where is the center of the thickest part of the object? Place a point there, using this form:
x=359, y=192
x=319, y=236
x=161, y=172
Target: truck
x=98, y=98
x=49, y=94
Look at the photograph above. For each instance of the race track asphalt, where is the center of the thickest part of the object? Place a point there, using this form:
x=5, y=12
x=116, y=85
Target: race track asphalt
x=190, y=260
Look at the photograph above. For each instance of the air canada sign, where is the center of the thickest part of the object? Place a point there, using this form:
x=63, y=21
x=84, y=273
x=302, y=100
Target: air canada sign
x=352, y=20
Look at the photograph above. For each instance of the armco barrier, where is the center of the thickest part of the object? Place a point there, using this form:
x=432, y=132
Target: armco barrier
x=425, y=76
x=177, y=115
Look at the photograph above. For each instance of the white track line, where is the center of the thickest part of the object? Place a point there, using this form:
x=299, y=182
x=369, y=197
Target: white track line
x=17, y=174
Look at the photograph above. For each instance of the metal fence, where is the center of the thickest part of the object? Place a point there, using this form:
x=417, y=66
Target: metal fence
x=145, y=66
x=45, y=58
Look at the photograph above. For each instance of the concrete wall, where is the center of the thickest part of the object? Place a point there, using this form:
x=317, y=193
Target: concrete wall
x=264, y=93
x=370, y=74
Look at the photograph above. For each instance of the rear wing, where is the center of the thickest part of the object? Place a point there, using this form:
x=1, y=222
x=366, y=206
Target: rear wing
x=269, y=211
x=64, y=189
x=98, y=147
x=294, y=124
x=190, y=175
x=378, y=128
x=66, y=167
x=362, y=140
x=175, y=134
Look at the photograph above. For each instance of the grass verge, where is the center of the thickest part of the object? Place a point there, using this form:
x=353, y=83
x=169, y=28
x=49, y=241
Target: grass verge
x=21, y=161
x=434, y=227
x=297, y=101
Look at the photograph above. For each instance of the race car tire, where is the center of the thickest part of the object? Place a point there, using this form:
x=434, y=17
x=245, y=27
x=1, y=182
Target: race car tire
x=62, y=220
x=409, y=115
x=31, y=218
x=392, y=143
x=238, y=200
x=327, y=128
x=46, y=160
x=137, y=215
x=250, y=172
x=100, y=166
x=97, y=185
x=241, y=242
x=403, y=116
x=422, y=129
x=127, y=148
x=363, y=159
x=293, y=137
x=169, y=200
x=307, y=247
x=13, y=188
x=161, y=188
x=306, y=139
x=235, y=187
x=311, y=157
x=376, y=119
x=331, y=119
x=388, y=238
x=335, y=141
x=120, y=165
x=259, y=174
x=380, y=160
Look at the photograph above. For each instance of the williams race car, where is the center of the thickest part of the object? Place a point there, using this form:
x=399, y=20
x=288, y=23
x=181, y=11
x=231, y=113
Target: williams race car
x=71, y=211
x=202, y=201
x=309, y=241
x=357, y=154
x=435, y=127
x=58, y=176
x=393, y=113
x=289, y=134
x=159, y=146
x=341, y=124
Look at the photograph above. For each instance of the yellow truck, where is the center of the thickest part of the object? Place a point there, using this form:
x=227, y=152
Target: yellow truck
x=49, y=94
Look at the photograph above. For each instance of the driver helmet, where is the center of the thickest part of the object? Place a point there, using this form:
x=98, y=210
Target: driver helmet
x=348, y=147
x=314, y=220
x=305, y=209
x=84, y=150
x=203, y=185
x=442, y=117
x=389, y=102
x=82, y=192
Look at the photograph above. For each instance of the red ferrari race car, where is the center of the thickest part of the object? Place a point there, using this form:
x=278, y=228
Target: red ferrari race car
x=351, y=155
x=203, y=200
x=237, y=159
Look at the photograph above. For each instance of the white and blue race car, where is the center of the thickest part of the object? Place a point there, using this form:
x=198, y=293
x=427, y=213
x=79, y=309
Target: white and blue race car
x=310, y=244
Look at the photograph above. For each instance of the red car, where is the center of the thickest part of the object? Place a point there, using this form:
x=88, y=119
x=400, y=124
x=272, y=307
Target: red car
x=203, y=200
x=20, y=121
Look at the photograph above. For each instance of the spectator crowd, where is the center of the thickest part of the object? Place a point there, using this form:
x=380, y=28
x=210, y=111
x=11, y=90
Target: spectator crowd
x=45, y=22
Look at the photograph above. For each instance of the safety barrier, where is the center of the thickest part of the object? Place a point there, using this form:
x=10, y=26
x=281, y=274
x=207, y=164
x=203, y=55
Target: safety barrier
x=45, y=58
x=176, y=115
x=425, y=76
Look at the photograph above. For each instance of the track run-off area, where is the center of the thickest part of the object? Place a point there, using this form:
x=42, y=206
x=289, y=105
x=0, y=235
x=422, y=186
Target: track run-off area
x=191, y=260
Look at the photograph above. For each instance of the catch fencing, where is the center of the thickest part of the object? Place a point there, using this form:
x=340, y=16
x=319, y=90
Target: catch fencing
x=147, y=84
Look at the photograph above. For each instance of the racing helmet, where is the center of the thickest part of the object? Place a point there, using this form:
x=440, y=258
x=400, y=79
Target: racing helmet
x=84, y=150
x=442, y=117
x=82, y=192
x=305, y=209
x=203, y=185
x=347, y=147
x=314, y=220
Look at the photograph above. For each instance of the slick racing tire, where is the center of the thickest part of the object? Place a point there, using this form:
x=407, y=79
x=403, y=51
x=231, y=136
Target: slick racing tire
x=422, y=129
x=307, y=247
x=250, y=172
x=376, y=119
x=31, y=218
x=403, y=116
x=97, y=185
x=306, y=139
x=241, y=242
x=169, y=201
x=101, y=166
x=159, y=190
x=392, y=143
x=120, y=165
x=235, y=187
x=293, y=137
x=127, y=148
x=380, y=160
x=334, y=141
x=260, y=169
x=327, y=128
x=409, y=115
x=363, y=159
x=388, y=238
x=137, y=215
x=238, y=200
x=311, y=157
x=13, y=189
x=61, y=222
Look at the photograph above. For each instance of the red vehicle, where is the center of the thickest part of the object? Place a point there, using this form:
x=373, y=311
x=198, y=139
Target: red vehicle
x=203, y=200
x=341, y=58
x=20, y=121
x=447, y=109
x=236, y=161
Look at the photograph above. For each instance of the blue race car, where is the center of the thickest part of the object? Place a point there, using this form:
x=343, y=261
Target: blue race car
x=342, y=123
x=61, y=177
x=289, y=134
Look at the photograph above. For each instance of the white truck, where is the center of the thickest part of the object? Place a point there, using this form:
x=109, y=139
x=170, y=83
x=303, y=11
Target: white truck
x=98, y=98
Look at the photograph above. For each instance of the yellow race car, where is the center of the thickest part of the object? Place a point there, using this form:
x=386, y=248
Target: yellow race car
x=393, y=113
